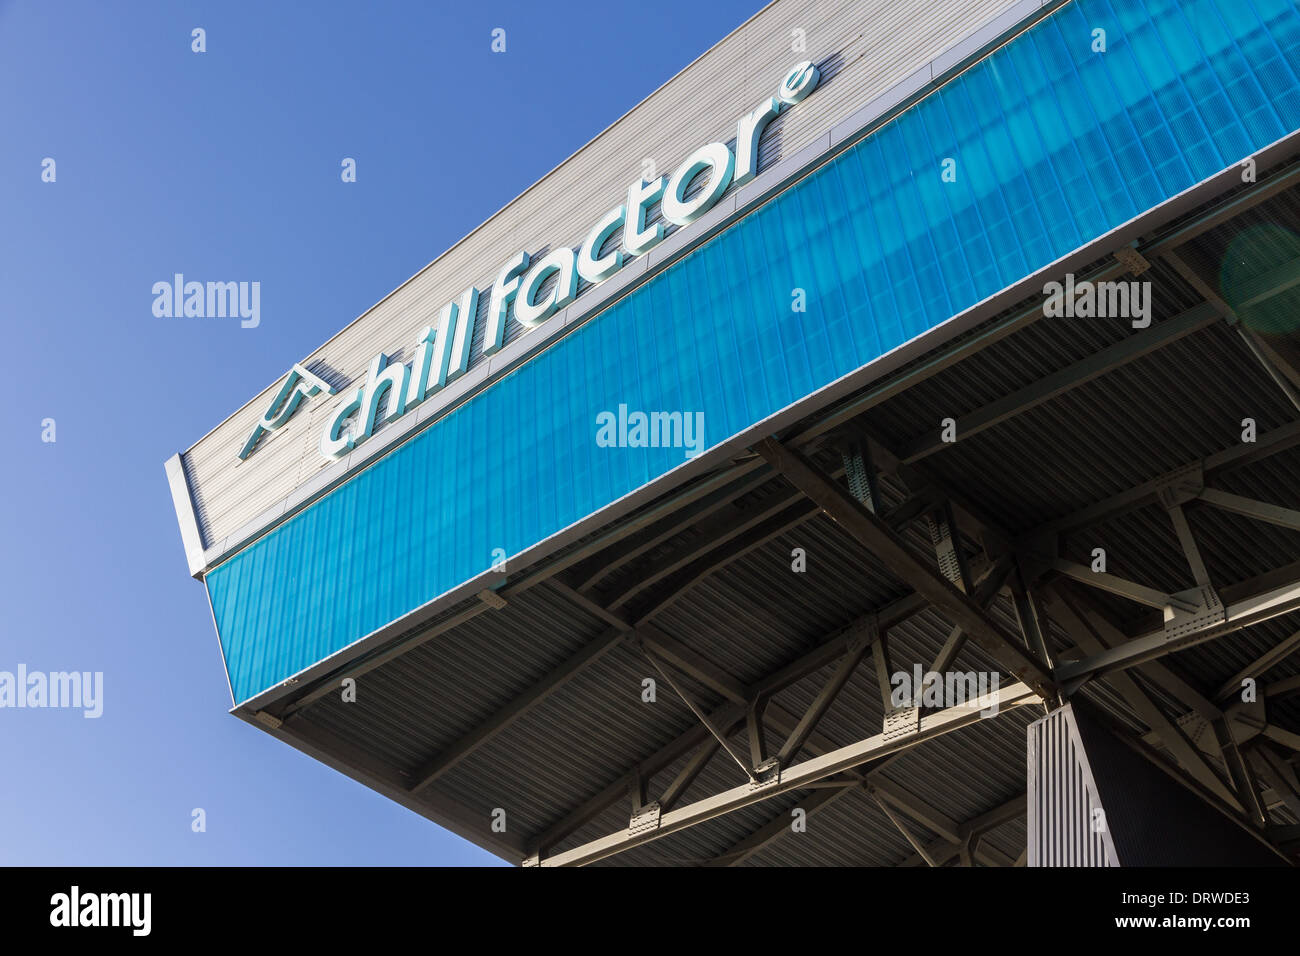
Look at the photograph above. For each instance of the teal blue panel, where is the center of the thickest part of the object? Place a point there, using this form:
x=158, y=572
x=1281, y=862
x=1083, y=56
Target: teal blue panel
x=1055, y=145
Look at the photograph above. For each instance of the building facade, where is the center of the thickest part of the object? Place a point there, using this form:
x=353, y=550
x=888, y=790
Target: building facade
x=886, y=339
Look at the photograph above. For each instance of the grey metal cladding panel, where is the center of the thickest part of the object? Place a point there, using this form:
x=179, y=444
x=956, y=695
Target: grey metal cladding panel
x=701, y=843
x=532, y=767
x=866, y=46
x=1009, y=838
x=1214, y=662
x=1062, y=799
x=851, y=831
x=415, y=706
x=1142, y=545
x=975, y=770
x=1080, y=460
x=970, y=771
x=696, y=844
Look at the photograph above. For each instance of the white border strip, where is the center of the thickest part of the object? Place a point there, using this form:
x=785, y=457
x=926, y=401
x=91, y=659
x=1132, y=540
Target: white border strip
x=185, y=516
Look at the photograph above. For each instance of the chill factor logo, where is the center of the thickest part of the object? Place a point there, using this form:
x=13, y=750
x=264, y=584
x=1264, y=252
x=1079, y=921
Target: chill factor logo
x=442, y=352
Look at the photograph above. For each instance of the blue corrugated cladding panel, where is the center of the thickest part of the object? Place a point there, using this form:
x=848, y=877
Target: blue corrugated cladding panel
x=1055, y=145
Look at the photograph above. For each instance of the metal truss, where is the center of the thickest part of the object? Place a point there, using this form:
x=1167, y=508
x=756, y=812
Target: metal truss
x=798, y=777
x=682, y=509
x=1104, y=651
x=1230, y=754
x=753, y=708
x=1231, y=777
x=882, y=541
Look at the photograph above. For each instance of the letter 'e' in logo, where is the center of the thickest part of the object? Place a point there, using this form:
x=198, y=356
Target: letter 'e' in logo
x=298, y=384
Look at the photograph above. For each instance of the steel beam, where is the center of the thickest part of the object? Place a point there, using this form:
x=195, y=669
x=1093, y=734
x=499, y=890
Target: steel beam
x=422, y=635
x=717, y=730
x=1224, y=210
x=798, y=777
x=1262, y=760
x=780, y=825
x=693, y=664
x=902, y=828
x=1283, y=688
x=880, y=658
x=1275, y=281
x=1127, y=350
x=823, y=654
x=1213, y=216
x=878, y=538
x=1243, y=780
x=1285, y=737
x=518, y=707
x=826, y=696
x=756, y=730
x=1139, y=496
x=1228, y=594
x=946, y=538
x=681, y=783
x=1188, y=756
x=1256, y=668
x=942, y=850
x=1154, y=670
x=1244, y=613
x=1029, y=616
x=986, y=589
x=1187, y=541
x=918, y=809
x=1278, y=280
x=714, y=534
x=718, y=557
x=1157, y=672
x=1250, y=508
x=1278, y=367
x=1138, y=593
x=631, y=548
x=725, y=685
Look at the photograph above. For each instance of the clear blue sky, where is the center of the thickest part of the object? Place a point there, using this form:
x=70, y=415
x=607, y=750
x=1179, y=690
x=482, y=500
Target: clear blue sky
x=225, y=165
